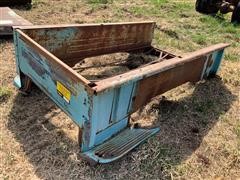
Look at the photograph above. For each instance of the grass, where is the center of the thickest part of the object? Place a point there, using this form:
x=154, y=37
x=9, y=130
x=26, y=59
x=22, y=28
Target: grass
x=200, y=130
x=5, y=93
x=100, y=1
x=238, y=131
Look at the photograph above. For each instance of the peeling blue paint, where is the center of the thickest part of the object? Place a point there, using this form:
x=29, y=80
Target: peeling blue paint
x=30, y=66
x=216, y=58
x=55, y=39
x=101, y=116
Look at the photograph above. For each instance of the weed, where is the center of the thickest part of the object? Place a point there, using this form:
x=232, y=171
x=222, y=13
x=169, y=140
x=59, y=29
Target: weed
x=100, y=1
x=237, y=129
x=199, y=39
x=232, y=57
x=5, y=93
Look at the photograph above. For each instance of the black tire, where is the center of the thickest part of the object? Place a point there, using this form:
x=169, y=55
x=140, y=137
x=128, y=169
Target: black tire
x=207, y=6
x=236, y=14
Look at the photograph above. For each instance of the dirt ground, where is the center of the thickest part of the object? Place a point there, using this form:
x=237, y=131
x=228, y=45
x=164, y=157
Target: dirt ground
x=200, y=123
x=101, y=67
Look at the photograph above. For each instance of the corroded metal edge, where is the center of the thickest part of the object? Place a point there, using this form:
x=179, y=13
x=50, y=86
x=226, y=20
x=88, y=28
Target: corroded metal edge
x=154, y=68
x=52, y=58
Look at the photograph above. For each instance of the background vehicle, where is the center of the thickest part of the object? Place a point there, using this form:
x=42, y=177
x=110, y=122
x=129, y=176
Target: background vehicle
x=224, y=6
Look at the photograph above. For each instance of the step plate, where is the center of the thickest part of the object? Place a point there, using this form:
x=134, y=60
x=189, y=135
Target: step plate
x=119, y=145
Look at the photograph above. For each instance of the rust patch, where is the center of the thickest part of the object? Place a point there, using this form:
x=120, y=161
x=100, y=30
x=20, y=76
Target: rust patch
x=154, y=68
x=94, y=39
x=166, y=80
x=54, y=61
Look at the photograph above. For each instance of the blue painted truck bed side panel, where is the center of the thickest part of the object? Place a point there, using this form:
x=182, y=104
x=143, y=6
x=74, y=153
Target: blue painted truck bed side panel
x=101, y=115
x=217, y=56
x=55, y=39
x=37, y=68
x=212, y=63
x=110, y=113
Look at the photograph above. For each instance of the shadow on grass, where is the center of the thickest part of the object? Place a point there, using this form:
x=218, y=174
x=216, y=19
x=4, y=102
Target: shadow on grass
x=183, y=125
x=185, y=122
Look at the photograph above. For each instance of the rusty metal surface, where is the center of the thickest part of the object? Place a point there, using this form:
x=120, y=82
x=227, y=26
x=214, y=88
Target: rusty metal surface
x=56, y=63
x=56, y=41
x=45, y=53
x=150, y=70
x=166, y=80
x=80, y=41
x=8, y=19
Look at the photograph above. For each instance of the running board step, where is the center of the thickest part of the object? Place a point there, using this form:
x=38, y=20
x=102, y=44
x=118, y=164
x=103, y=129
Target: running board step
x=118, y=146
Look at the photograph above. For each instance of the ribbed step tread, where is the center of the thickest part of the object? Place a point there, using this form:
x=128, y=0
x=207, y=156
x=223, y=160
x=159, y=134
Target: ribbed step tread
x=123, y=142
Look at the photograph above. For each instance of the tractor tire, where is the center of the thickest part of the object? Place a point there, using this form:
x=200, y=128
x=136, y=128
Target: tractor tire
x=236, y=14
x=207, y=6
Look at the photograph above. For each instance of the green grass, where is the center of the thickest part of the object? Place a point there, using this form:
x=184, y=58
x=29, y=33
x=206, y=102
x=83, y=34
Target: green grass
x=237, y=129
x=199, y=39
x=99, y=1
x=5, y=93
x=159, y=2
x=186, y=29
x=233, y=56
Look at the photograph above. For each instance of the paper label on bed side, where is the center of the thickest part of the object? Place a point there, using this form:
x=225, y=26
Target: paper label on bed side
x=63, y=92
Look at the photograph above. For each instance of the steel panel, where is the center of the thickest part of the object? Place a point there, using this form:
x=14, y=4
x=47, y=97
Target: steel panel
x=8, y=19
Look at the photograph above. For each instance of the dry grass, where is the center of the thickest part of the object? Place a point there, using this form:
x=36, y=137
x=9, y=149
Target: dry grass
x=200, y=124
